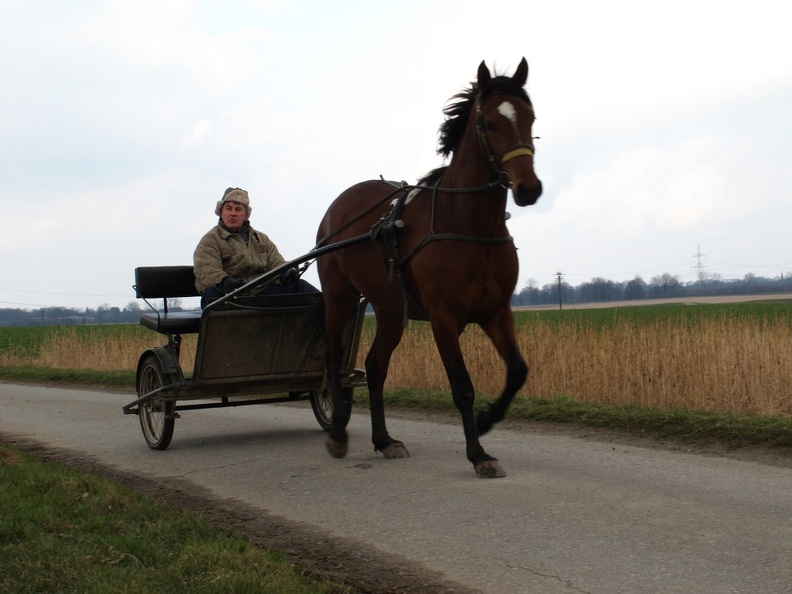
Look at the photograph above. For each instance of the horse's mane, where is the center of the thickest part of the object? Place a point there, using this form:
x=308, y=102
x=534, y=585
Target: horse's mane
x=433, y=176
x=457, y=112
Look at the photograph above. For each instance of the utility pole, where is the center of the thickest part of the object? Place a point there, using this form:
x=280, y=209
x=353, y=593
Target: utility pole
x=699, y=267
x=559, y=275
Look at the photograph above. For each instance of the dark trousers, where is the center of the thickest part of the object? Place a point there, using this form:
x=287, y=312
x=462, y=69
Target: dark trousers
x=213, y=293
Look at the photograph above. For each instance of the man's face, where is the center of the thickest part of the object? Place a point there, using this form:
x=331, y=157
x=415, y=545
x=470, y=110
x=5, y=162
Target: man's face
x=233, y=214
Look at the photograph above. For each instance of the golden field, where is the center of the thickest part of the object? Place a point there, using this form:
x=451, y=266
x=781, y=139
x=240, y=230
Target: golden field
x=726, y=358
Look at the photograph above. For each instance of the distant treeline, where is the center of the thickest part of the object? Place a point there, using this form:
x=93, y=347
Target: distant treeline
x=597, y=290
x=664, y=286
x=65, y=316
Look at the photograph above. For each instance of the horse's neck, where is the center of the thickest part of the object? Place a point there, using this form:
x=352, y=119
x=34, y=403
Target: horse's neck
x=469, y=169
x=479, y=213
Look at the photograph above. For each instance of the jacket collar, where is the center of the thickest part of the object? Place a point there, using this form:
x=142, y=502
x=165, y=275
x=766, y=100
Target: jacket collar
x=244, y=232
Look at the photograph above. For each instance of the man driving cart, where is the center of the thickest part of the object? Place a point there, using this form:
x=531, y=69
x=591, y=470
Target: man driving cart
x=233, y=253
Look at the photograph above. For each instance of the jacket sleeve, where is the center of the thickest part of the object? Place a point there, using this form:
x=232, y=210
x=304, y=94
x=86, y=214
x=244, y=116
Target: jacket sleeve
x=207, y=263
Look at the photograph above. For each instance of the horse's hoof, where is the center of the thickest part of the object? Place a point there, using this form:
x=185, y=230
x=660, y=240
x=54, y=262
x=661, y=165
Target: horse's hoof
x=489, y=469
x=395, y=450
x=336, y=449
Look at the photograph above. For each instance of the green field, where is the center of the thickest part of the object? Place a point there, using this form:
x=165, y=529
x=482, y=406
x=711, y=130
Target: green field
x=685, y=316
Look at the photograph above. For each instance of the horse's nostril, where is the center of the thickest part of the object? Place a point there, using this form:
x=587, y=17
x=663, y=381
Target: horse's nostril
x=525, y=196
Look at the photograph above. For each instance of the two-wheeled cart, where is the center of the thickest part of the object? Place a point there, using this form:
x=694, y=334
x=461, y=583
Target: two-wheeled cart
x=251, y=349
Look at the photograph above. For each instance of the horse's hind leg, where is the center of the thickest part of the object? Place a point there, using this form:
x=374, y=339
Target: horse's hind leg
x=447, y=339
x=501, y=331
x=389, y=333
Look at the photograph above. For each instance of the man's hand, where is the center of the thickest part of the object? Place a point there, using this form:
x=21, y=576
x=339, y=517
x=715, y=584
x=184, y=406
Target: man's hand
x=290, y=278
x=231, y=283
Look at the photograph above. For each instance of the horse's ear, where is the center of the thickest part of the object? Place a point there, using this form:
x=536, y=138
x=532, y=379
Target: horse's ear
x=484, y=76
x=521, y=74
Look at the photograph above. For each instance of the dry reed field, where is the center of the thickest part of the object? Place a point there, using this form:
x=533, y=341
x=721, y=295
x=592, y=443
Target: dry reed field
x=730, y=358
x=720, y=364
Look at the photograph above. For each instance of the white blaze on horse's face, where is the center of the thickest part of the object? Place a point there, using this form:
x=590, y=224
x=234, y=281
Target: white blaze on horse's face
x=506, y=109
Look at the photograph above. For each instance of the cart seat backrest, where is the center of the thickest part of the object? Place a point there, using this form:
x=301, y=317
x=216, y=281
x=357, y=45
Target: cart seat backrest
x=167, y=282
x=163, y=282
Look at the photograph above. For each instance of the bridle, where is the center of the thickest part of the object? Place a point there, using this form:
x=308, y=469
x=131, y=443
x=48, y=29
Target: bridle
x=520, y=149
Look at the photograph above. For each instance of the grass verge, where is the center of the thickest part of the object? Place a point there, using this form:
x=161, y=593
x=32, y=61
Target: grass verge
x=114, y=380
x=63, y=530
x=695, y=427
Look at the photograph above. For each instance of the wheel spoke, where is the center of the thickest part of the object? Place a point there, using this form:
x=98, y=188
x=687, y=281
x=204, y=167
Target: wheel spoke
x=156, y=415
x=322, y=405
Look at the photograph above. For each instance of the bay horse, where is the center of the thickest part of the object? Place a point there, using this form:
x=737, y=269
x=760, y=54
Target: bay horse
x=439, y=251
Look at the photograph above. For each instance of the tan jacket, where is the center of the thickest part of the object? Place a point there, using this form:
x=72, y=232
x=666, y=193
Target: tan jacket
x=221, y=253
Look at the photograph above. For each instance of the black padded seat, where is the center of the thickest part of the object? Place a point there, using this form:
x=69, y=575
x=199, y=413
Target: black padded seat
x=179, y=322
x=166, y=282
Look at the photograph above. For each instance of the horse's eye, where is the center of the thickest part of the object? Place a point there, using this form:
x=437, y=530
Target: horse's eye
x=491, y=126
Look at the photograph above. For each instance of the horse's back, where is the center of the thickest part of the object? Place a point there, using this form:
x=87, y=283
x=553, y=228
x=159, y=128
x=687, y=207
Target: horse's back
x=355, y=210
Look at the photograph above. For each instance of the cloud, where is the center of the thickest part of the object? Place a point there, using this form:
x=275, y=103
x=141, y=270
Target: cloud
x=652, y=187
x=662, y=126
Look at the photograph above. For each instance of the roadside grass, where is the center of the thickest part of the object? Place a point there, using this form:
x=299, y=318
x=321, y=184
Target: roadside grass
x=732, y=430
x=64, y=530
x=112, y=380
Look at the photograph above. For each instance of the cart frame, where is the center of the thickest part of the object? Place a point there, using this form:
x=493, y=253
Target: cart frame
x=251, y=349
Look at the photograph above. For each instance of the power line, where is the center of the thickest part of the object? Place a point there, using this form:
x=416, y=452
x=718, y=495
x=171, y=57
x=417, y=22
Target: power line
x=26, y=304
x=59, y=293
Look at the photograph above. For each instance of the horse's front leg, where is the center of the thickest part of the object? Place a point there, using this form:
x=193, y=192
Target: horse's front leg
x=447, y=340
x=501, y=332
x=389, y=333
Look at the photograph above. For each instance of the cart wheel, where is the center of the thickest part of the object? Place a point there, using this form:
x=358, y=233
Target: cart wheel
x=322, y=405
x=156, y=416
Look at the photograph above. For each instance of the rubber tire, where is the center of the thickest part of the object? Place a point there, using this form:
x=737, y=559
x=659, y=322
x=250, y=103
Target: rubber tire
x=156, y=416
x=322, y=405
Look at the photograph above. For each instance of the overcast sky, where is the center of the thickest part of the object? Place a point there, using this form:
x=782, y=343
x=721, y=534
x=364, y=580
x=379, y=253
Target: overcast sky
x=664, y=126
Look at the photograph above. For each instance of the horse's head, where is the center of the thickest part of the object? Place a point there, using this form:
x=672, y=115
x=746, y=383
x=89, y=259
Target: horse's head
x=505, y=119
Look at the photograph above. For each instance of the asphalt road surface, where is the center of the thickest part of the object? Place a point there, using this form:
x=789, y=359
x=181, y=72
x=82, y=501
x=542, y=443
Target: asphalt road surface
x=575, y=514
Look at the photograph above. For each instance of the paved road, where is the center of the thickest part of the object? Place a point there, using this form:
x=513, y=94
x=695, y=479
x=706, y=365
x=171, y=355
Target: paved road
x=574, y=515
